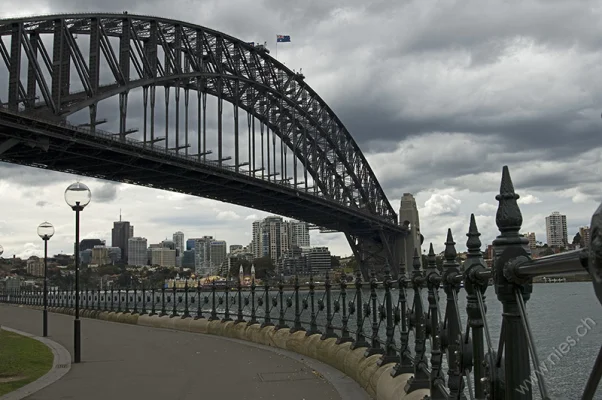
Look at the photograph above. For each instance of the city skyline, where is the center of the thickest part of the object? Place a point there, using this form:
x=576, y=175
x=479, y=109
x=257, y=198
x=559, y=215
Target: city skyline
x=236, y=227
x=437, y=113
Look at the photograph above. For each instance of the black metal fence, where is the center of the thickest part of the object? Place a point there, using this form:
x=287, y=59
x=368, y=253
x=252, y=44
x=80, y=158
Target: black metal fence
x=403, y=320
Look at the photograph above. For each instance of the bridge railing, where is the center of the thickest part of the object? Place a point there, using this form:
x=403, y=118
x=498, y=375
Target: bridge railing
x=415, y=323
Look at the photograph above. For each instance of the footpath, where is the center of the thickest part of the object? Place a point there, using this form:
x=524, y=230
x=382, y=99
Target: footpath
x=130, y=362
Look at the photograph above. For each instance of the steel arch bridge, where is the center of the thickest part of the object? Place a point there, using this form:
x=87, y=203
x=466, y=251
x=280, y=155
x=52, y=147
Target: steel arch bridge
x=280, y=148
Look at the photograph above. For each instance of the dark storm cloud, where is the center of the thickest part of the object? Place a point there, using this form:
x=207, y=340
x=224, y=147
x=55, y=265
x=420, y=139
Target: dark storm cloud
x=395, y=71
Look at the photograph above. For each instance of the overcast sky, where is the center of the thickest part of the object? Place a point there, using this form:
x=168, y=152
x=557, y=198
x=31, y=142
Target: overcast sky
x=439, y=95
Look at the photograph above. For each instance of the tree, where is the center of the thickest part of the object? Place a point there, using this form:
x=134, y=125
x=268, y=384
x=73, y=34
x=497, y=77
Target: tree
x=577, y=239
x=335, y=261
x=235, y=266
x=264, y=267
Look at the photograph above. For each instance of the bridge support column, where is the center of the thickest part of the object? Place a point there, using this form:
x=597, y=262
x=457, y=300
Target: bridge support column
x=374, y=251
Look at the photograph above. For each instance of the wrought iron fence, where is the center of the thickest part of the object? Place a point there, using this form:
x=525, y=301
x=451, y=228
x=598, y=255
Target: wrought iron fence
x=403, y=320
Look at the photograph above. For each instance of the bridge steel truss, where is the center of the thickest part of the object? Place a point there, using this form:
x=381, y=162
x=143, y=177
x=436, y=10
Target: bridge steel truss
x=325, y=162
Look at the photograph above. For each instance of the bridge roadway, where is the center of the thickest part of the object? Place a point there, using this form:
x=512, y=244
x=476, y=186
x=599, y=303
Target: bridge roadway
x=122, y=361
x=61, y=147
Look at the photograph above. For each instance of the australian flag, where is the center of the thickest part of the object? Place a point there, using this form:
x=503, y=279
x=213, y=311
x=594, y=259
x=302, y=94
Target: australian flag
x=251, y=44
x=283, y=38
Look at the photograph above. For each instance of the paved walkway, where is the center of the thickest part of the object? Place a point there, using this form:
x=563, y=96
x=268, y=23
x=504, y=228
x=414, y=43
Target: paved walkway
x=130, y=362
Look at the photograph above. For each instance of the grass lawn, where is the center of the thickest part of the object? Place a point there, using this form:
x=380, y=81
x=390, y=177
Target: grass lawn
x=22, y=361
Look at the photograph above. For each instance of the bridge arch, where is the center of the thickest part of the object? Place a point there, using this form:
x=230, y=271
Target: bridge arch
x=194, y=58
x=197, y=57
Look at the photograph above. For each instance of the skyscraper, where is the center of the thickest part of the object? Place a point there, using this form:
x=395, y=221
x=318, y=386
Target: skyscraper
x=202, y=255
x=218, y=251
x=256, y=242
x=122, y=231
x=408, y=215
x=299, y=232
x=532, y=240
x=585, y=234
x=556, y=230
x=137, y=251
x=178, y=239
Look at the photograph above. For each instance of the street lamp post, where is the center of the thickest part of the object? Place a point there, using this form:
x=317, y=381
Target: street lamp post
x=77, y=196
x=45, y=231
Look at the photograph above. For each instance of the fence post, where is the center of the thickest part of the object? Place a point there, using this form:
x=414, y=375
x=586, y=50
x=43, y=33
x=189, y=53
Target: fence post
x=345, y=334
x=475, y=304
x=404, y=365
x=186, y=313
x=452, y=338
x=375, y=345
x=281, y=317
x=329, y=330
x=433, y=281
x=360, y=338
x=510, y=246
x=390, y=354
x=297, y=323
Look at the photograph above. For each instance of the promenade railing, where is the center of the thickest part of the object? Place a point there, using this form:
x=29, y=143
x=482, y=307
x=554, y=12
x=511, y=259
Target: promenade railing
x=413, y=322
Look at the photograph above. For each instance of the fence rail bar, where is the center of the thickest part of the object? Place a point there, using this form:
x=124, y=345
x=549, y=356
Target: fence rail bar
x=571, y=261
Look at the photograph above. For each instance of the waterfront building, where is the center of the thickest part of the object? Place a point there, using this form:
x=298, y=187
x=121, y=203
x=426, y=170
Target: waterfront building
x=178, y=239
x=163, y=257
x=532, y=240
x=584, y=232
x=137, y=251
x=556, y=230
x=122, y=231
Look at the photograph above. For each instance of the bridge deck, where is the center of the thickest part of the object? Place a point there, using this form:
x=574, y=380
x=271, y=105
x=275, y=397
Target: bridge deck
x=124, y=361
x=81, y=152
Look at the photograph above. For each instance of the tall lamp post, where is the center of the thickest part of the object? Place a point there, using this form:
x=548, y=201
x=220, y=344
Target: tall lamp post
x=45, y=231
x=77, y=196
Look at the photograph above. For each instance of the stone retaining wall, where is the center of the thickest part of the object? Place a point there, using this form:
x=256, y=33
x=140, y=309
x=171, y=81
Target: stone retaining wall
x=377, y=381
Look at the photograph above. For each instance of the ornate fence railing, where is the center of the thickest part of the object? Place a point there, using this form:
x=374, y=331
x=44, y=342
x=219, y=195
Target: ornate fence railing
x=405, y=321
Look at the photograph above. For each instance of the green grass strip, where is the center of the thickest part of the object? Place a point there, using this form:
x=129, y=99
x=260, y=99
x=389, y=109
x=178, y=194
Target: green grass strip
x=22, y=361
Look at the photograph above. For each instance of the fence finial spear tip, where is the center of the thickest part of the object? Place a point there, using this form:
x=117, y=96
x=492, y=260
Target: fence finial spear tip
x=450, y=248
x=473, y=243
x=508, y=217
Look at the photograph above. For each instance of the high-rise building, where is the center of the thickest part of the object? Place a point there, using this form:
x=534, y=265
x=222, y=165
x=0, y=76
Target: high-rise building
x=408, y=216
x=318, y=259
x=190, y=244
x=256, y=242
x=163, y=256
x=556, y=230
x=273, y=237
x=178, y=239
x=299, y=233
x=122, y=231
x=202, y=255
x=188, y=259
x=137, y=251
x=584, y=232
x=100, y=256
x=532, y=241
x=218, y=252
x=294, y=262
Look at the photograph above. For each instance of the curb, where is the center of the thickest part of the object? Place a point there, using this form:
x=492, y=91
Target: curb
x=61, y=364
